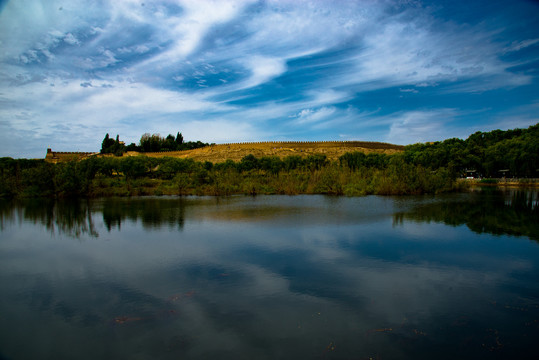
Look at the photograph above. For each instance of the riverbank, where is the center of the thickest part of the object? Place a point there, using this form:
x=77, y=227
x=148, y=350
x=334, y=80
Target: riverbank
x=501, y=182
x=354, y=174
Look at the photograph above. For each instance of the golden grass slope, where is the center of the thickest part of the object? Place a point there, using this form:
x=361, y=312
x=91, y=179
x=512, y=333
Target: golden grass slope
x=222, y=152
x=237, y=151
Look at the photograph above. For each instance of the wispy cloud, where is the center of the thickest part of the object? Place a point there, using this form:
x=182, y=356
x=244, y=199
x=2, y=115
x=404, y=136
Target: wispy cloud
x=274, y=69
x=309, y=116
x=519, y=45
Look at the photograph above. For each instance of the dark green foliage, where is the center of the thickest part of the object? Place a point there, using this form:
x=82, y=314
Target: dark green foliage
x=132, y=147
x=135, y=167
x=315, y=162
x=178, y=140
x=8, y=177
x=248, y=163
x=149, y=143
x=169, y=143
x=38, y=180
x=68, y=180
x=292, y=162
x=271, y=164
x=106, y=144
x=487, y=153
x=169, y=167
x=356, y=160
x=422, y=168
x=156, y=143
x=24, y=177
x=110, y=146
x=141, y=175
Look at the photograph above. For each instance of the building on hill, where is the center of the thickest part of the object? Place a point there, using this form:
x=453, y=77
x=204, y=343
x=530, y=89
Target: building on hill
x=60, y=156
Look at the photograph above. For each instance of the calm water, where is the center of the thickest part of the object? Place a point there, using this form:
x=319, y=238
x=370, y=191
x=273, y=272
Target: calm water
x=301, y=277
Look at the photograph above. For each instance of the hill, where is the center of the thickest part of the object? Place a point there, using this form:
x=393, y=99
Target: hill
x=236, y=151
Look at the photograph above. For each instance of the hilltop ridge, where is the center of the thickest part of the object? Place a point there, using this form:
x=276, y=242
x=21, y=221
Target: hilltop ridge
x=236, y=151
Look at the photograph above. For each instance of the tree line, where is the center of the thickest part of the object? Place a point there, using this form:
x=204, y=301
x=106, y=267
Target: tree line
x=142, y=175
x=421, y=168
x=494, y=154
x=149, y=143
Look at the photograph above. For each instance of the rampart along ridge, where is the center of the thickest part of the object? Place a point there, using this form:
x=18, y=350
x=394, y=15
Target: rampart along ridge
x=362, y=144
x=64, y=156
x=236, y=151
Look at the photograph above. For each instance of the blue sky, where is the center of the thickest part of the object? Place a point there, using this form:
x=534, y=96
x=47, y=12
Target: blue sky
x=399, y=71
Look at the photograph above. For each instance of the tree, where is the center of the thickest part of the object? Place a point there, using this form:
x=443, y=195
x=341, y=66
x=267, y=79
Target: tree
x=107, y=145
x=111, y=146
x=179, y=140
x=135, y=167
x=132, y=147
x=145, y=142
x=249, y=162
x=169, y=143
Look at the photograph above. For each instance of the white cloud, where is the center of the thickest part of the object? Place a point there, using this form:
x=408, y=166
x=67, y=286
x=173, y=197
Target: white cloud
x=187, y=31
x=178, y=78
x=519, y=45
x=328, y=96
x=137, y=49
x=413, y=91
x=310, y=116
x=262, y=70
x=71, y=39
x=121, y=107
x=415, y=53
x=107, y=59
x=49, y=24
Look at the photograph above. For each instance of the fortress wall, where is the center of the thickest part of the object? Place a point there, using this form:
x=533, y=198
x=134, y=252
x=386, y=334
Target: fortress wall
x=350, y=143
x=65, y=156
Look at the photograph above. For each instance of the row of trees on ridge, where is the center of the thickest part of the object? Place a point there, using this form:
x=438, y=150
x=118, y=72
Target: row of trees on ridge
x=149, y=143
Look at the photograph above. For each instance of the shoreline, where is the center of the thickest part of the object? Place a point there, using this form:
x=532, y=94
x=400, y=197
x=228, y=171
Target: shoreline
x=506, y=183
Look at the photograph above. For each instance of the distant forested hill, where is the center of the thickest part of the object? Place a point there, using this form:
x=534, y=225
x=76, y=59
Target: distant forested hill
x=513, y=153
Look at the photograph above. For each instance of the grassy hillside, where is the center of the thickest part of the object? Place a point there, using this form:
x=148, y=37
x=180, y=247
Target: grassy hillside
x=235, y=152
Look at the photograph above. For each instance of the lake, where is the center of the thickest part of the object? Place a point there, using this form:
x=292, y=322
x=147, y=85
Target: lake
x=271, y=277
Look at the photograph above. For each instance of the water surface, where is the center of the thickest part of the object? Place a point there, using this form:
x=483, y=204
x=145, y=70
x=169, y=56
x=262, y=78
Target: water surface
x=268, y=277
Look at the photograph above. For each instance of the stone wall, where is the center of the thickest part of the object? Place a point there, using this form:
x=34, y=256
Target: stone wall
x=65, y=156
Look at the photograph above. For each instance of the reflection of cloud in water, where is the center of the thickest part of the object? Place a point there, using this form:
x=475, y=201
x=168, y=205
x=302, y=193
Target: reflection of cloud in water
x=315, y=275
x=285, y=210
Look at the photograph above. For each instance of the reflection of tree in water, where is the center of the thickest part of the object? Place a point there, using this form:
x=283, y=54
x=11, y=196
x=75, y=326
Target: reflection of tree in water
x=6, y=213
x=489, y=210
x=154, y=213
x=69, y=217
x=74, y=217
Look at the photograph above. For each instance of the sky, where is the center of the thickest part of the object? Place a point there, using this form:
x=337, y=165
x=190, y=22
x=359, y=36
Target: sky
x=397, y=71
